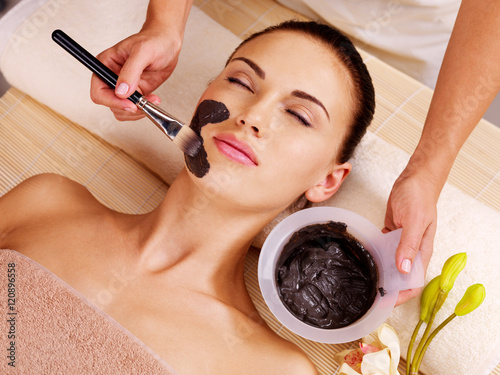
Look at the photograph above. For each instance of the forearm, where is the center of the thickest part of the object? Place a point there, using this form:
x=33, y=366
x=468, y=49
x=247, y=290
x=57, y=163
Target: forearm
x=468, y=82
x=168, y=15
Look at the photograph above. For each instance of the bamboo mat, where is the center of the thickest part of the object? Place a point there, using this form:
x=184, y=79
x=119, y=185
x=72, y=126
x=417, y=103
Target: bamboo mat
x=34, y=139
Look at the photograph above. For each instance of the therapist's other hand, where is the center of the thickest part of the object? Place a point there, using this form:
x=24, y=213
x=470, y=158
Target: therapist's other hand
x=412, y=206
x=143, y=62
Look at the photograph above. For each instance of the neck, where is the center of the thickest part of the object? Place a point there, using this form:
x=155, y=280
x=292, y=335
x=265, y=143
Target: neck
x=192, y=229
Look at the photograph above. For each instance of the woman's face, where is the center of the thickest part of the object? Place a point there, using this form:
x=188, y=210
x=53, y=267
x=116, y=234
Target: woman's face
x=275, y=118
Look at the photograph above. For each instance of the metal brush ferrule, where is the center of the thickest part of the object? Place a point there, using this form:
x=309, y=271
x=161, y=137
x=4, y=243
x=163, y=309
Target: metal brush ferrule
x=164, y=121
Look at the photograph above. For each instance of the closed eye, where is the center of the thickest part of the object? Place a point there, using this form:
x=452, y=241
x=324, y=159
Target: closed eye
x=299, y=117
x=239, y=82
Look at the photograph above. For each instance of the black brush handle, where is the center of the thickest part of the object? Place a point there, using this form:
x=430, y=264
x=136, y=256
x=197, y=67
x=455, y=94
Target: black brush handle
x=91, y=62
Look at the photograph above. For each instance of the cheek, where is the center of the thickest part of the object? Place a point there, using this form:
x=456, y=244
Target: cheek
x=207, y=112
x=306, y=157
x=294, y=168
x=214, y=91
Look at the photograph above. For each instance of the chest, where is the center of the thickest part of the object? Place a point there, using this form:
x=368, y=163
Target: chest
x=193, y=332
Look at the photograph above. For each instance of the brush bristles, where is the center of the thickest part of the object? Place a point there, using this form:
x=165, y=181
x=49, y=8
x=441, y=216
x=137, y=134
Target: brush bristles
x=188, y=141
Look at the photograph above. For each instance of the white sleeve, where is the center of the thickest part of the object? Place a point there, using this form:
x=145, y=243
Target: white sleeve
x=411, y=35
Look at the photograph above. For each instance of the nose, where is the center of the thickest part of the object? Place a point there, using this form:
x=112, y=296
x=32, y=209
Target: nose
x=256, y=118
x=254, y=128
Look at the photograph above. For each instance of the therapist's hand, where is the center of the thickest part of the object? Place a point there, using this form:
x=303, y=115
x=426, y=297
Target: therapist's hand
x=143, y=62
x=412, y=206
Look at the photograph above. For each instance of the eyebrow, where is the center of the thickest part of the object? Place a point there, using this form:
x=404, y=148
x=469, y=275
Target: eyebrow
x=257, y=69
x=305, y=95
x=297, y=93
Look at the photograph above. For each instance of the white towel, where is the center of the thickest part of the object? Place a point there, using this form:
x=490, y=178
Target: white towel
x=469, y=344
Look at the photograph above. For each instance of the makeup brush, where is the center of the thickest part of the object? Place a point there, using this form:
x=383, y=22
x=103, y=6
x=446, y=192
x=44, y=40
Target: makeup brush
x=183, y=136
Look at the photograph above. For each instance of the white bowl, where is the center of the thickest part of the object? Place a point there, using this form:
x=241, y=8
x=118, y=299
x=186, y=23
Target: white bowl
x=381, y=246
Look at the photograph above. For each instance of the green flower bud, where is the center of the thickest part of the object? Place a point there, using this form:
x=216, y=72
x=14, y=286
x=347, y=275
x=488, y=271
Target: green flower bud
x=451, y=268
x=472, y=299
x=428, y=298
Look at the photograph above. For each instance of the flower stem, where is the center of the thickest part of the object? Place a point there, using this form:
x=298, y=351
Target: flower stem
x=410, y=346
x=439, y=302
x=428, y=341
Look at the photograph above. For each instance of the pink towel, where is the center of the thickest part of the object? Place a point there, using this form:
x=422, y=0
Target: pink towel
x=49, y=328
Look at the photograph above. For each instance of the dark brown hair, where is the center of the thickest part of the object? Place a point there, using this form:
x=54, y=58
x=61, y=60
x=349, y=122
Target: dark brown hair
x=364, y=93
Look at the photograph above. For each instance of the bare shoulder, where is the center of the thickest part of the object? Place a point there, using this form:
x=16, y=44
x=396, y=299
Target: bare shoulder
x=289, y=359
x=41, y=196
x=279, y=356
x=254, y=347
x=302, y=364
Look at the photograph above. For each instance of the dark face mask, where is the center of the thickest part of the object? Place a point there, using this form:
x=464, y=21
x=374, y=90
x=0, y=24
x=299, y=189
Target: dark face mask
x=208, y=112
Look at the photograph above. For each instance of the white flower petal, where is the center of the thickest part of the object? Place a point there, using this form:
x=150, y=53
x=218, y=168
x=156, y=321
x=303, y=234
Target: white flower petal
x=378, y=363
x=389, y=338
x=345, y=369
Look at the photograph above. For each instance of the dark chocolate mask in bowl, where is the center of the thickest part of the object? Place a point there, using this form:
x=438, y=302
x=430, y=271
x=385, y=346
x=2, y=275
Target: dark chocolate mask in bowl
x=325, y=277
x=382, y=250
x=208, y=112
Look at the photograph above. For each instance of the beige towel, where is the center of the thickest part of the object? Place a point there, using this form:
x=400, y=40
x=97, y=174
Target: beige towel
x=48, y=328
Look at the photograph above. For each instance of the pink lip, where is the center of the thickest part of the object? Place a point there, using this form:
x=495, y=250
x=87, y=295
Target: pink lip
x=236, y=150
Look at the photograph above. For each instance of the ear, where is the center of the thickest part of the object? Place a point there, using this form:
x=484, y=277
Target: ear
x=329, y=186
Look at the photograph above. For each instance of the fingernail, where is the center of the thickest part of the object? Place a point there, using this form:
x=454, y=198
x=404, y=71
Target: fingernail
x=122, y=89
x=129, y=109
x=406, y=265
